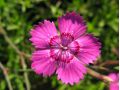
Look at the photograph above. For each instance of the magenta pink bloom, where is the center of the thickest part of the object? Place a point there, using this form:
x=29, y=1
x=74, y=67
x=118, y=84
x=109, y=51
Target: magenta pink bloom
x=114, y=85
x=66, y=53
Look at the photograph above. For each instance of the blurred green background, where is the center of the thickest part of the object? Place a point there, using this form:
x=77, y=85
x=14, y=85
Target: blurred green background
x=17, y=18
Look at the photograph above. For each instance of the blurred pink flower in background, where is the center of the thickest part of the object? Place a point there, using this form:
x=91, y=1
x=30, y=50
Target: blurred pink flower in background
x=67, y=53
x=114, y=85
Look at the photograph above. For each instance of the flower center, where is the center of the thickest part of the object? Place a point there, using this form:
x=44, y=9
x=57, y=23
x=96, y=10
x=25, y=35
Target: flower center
x=59, y=47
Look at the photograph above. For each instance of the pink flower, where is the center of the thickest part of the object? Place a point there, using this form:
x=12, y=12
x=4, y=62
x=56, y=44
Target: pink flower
x=66, y=53
x=114, y=85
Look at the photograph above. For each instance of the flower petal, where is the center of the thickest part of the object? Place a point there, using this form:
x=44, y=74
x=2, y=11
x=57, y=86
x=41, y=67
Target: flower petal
x=40, y=54
x=42, y=63
x=114, y=85
x=89, y=48
x=114, y=76
x=72, y=23
x=42, y=33
x=72, y=72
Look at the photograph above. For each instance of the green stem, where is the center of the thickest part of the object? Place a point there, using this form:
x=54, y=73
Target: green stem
x=6, y=76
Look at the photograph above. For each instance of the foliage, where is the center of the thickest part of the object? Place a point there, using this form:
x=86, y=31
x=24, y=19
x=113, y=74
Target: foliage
x=18, y=16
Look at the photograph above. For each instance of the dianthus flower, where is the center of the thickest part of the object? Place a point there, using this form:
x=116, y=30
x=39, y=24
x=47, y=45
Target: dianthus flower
x=114, y=85
x=66, y=53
